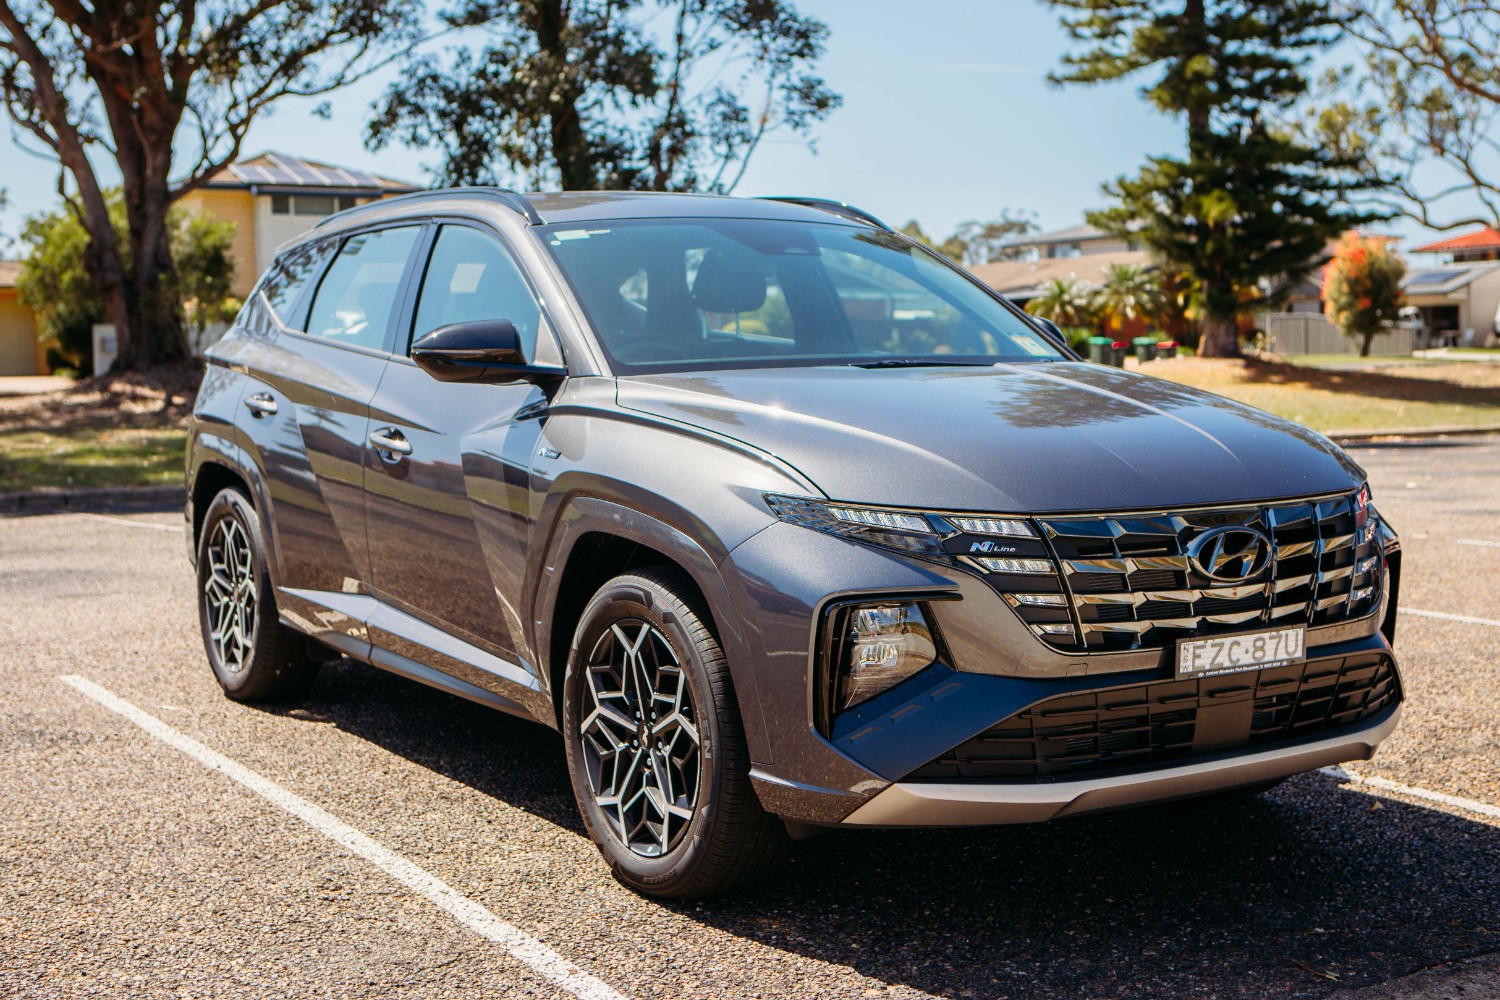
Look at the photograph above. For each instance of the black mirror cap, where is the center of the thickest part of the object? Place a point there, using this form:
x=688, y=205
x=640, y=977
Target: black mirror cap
x=483, y=351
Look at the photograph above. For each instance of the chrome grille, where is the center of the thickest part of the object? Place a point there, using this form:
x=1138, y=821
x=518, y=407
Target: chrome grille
x=1131, y=582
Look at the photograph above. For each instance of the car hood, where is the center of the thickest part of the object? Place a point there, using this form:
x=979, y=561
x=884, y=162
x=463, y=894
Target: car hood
x=1021, y=438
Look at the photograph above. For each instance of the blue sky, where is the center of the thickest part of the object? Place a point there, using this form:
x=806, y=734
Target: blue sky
x=947, y=116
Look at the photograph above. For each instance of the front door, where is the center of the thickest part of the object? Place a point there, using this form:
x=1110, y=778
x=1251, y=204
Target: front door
x=448, y=479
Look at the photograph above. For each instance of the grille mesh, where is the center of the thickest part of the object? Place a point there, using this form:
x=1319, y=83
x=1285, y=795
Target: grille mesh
x=1132, y=584
x=1166, y=722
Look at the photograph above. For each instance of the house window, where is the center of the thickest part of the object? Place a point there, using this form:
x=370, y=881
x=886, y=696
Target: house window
x=317, y=205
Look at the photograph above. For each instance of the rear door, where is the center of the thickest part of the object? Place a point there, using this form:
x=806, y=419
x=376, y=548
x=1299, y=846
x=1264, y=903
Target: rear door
x=450, y=507
x=330, y=317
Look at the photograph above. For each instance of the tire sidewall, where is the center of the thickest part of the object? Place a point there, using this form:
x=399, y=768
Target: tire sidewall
x=633, y=597
x=232, y=503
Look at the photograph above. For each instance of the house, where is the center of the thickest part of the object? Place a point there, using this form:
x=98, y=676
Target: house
x=20, y=351
x=275, y=197
x=1082, y=253
x=271, y=198
x=1458, y=300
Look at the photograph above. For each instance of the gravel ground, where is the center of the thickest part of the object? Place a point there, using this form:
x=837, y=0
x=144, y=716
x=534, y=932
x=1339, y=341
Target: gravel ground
x=127, y=868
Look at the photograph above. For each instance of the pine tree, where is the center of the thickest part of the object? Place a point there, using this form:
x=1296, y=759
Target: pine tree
x=1248, y=204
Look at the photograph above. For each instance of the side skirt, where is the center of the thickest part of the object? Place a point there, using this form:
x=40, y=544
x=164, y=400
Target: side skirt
x=417, y=635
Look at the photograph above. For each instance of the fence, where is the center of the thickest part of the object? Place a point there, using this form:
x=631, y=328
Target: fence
x=1304, y=333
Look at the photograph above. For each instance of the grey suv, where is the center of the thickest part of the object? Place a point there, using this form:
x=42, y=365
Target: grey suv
x=783, y=521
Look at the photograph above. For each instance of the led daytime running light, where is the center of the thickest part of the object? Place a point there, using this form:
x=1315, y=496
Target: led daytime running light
x=1008, y=527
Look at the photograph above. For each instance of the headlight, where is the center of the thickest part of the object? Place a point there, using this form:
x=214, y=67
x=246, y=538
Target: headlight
x=901, y=530
x=912, y=532
x=873, y=647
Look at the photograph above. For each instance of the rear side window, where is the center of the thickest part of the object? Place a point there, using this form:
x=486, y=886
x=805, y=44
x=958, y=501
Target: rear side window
x=470, y=277
x=354, y=302
x=291, y=276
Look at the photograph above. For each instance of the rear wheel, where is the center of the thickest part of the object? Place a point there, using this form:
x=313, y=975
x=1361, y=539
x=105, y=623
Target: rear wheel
x=655, y=747
x=253, y=655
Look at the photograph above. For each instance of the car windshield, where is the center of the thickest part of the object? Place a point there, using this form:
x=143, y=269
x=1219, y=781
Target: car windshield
x=694, y=294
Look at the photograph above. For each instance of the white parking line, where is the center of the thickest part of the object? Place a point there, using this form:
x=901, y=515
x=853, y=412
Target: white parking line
x=1445, y=616
x=126, y=522
x=513, y=940
x=1481, y=542
x=1387, y=785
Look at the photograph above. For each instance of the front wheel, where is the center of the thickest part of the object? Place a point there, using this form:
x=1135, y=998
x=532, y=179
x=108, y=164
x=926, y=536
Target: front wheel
x=253, y=656
x=656, y=750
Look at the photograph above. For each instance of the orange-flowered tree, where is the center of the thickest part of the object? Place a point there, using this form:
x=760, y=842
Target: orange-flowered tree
x=1362, y=287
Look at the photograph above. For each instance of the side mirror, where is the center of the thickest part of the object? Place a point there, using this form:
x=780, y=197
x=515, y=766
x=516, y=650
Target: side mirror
x=484, y=351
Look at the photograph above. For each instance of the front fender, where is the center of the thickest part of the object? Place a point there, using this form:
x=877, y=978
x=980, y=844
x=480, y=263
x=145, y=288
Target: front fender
x=582, y=514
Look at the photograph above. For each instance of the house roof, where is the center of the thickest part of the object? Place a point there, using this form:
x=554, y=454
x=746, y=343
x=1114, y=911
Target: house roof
x=1024, y=279
x=1072, y=234
x=10, y=273
x=281, y=172
x=1446, y=279
x=1480, y=239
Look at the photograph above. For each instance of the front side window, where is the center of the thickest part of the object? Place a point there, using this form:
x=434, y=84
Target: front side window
x=354, y=302
x=695, y=294
x=470, y=278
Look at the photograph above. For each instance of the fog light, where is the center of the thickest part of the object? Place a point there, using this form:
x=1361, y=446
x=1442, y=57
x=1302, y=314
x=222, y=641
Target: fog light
x=885, y=644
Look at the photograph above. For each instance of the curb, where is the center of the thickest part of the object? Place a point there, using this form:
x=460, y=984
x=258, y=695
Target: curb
x=1361, y=437
x=109, y=498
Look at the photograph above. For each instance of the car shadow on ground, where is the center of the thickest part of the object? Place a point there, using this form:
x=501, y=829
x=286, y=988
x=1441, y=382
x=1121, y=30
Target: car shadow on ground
x=1301, y=891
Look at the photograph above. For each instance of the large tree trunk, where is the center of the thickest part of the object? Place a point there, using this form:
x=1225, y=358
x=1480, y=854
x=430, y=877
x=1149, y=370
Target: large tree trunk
x=1364, y=344
x=1221, y=337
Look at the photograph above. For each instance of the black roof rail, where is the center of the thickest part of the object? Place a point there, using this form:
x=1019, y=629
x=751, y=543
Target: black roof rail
x=840, y=208
x=512, y=199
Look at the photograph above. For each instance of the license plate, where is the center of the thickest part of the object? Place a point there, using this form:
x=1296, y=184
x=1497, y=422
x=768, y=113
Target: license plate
x=1229, y=654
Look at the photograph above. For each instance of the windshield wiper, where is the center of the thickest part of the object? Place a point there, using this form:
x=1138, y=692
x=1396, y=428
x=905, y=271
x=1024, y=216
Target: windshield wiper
x=919, y=363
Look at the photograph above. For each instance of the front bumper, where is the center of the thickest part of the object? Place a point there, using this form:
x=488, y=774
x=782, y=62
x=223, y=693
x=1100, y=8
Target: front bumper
x=970, y=804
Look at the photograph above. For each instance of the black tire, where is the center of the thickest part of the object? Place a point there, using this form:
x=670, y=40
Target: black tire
x=262, y=660
x=729, y=840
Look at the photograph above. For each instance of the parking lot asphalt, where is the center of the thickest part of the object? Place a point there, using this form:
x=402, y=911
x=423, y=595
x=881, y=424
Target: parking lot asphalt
x=129, y=867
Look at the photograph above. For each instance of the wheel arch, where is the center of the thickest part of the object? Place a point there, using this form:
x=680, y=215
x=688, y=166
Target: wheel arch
x=600, y=539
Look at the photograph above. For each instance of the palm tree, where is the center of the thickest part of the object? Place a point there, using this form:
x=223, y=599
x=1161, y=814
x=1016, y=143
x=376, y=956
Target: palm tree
x=1066, y=302
x=1130, y=292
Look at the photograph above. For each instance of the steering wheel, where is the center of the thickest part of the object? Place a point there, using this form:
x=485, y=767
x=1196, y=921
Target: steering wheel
x=647, y=351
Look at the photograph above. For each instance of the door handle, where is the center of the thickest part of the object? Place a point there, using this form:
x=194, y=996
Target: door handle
x=390, y=441
x=262, y=404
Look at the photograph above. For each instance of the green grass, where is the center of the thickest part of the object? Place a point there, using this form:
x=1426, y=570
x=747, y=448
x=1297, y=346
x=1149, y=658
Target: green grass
x=90, y=457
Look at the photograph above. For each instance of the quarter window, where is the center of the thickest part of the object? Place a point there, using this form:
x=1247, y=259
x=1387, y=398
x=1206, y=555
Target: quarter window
x=355, y=300
x=470, y=277
x=291, y=276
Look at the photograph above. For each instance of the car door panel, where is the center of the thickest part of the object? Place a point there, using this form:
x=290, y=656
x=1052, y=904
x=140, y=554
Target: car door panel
x=450, y=513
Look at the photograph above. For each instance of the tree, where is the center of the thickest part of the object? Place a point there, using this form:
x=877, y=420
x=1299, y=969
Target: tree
x=953, y=247
x=579, y=93
x=976, y=242
x=1130, y=292
x=1423, y=108
x=56, y=284
x=1248, y=203
x=161, y=87
x=1067, y=302
x=1362, y=287
x=985, y=242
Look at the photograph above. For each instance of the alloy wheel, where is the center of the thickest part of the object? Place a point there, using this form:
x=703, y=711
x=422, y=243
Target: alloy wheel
x=230, y=594
x=640, y=737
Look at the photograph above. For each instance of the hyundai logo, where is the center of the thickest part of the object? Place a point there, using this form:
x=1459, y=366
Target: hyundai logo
x=1231, y=554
